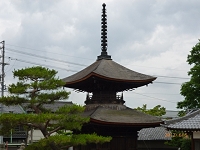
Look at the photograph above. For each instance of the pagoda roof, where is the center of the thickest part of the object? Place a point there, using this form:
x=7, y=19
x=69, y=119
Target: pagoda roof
x=120, y=115
x=189, y=122
x=108, y=70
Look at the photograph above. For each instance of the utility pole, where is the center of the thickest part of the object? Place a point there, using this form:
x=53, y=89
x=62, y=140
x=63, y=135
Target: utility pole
x=2, y=76
x=2, y=48
x=2, y=66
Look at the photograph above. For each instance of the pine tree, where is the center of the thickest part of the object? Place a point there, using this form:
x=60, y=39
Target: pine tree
x=36, y=87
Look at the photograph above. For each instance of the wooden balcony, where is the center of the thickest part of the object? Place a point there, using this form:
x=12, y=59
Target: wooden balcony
x=104, y=99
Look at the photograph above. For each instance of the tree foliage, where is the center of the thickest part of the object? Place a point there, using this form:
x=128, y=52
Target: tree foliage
x=36, y=87
x=156, y=111
x=191, y=89
x=65, y=141
x=180, y=142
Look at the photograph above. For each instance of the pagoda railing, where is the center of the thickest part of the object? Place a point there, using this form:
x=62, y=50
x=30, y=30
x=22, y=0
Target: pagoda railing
x=104, y=99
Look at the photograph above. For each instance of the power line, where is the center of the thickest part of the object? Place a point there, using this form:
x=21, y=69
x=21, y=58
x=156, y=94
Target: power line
x=155, y=67
x=154, y=97
x=160, y=93
x=77, y=71
x=10, y=67
x=39, y=56
x=31, y=54
x=91, y=59
x=168, y=83
x=41, y=64
x=48, y=52
x=171, y=77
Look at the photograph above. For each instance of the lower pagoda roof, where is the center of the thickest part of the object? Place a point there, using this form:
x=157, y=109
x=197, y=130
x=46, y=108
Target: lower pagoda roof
x=115, y=114
x=109, y=71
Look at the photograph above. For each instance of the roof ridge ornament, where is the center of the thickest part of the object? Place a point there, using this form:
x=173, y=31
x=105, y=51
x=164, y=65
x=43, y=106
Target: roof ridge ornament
x=104, y=44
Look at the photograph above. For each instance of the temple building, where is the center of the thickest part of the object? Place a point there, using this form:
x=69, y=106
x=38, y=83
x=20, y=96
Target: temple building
x=102, y=81
x=189, y=125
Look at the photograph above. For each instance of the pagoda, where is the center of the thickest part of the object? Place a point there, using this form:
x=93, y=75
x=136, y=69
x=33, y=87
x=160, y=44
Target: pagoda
x=102, y=81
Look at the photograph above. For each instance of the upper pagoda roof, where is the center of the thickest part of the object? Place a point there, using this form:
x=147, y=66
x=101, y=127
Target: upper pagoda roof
x=109, y=70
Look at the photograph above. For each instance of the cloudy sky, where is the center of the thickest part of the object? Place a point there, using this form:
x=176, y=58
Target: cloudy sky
x=152, y=37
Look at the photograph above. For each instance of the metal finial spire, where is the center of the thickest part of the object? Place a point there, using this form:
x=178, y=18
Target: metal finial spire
x=104, y=54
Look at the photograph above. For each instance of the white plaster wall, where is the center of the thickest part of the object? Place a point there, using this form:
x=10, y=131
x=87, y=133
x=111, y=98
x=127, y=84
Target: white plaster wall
x=37, y=135
x=196, y=135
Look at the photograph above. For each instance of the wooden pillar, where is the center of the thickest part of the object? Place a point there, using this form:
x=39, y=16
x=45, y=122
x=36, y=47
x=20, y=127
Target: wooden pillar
x=192, y=141
x=131, y=142
x=135, y=143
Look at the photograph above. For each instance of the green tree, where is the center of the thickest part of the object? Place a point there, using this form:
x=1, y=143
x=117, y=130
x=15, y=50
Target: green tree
x=191, y=89
x=156, y=111
x=180, y=142
x=36, y=87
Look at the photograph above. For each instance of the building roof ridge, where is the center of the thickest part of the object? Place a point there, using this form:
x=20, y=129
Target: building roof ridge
x=186, y=117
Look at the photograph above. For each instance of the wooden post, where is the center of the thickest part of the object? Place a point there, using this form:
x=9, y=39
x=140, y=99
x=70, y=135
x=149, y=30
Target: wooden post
x=192, y=141
x=2, y=146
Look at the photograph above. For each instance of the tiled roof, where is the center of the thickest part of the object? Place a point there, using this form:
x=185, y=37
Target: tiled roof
x=188, y=122
x=17, y=109
x=157, y=133
x=116, y=114
x=53, y=107
x=57, y=105
x=109, y=69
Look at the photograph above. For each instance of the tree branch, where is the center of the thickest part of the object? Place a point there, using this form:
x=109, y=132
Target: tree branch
x=55, y=130
x=37, y=111
x=30, y=125
x=47, y=123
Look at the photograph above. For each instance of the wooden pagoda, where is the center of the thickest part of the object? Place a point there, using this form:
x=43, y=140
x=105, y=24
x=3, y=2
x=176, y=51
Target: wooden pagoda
x=102, y=80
